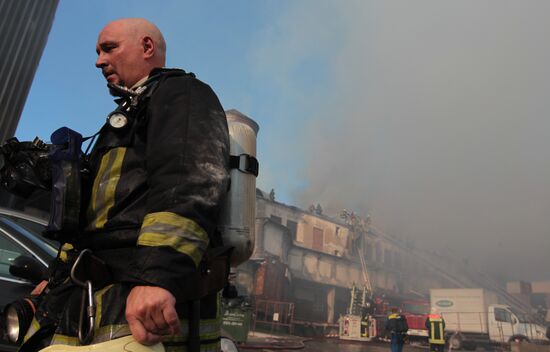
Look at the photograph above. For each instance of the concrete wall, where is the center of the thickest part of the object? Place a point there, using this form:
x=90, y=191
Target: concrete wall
x=540, y=287
x=273, y=238
x=335, y=236
x=519, y=287
x=323, y=269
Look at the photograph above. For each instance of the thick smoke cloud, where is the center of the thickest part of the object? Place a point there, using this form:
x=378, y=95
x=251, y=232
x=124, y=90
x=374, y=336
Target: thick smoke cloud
x=433, y=117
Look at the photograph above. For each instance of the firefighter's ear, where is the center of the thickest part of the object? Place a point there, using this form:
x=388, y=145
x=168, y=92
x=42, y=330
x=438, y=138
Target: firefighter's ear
x=148, y=47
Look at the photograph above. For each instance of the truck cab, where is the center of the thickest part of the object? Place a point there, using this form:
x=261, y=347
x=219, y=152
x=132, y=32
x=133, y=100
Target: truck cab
x=506, y=324
x=475, y=317
x=416, y=313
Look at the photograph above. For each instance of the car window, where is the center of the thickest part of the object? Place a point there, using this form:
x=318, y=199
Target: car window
x=33, y=227
x=9, y=250
x=503, y=315
x=36, y=237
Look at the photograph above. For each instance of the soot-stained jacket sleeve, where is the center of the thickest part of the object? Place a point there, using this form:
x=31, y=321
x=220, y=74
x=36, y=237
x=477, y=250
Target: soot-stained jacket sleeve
x=187, y=161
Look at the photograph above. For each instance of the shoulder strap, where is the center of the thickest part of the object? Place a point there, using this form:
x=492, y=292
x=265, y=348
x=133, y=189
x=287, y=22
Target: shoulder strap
x=245, y=163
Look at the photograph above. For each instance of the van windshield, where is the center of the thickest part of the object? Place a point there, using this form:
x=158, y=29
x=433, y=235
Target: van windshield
x=416, y=308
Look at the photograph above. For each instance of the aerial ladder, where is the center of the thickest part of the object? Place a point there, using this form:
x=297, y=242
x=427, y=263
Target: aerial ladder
x=358, y=324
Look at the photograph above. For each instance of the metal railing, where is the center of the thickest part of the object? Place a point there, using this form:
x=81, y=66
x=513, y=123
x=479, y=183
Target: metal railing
x=273, y=314
x=481, y=322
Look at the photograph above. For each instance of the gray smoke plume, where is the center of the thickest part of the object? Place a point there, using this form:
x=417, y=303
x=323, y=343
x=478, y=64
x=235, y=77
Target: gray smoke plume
x=433, y=117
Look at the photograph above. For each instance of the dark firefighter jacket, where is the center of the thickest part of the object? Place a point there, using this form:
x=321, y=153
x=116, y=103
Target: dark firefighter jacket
x=159, y=183
x=397, y=324
x=151, y=205
x=436, y=329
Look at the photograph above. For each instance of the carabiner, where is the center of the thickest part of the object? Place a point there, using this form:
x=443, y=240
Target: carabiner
x=87, y=296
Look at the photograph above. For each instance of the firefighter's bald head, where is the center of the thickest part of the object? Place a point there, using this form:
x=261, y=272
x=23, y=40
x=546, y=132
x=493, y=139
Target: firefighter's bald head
x=128, y=49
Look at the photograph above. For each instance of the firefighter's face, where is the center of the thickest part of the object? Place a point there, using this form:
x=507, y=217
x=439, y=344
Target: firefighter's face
x=122, y=54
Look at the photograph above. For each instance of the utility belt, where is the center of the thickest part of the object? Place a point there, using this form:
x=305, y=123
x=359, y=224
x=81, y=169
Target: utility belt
x=94, y=270
x=108, y=266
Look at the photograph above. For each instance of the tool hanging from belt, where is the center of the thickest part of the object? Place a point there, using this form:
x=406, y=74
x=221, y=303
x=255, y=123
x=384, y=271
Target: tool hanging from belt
x=88, y=271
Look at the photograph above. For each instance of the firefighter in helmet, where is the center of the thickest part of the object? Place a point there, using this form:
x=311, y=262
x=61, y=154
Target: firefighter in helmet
x=436, y=331
x=397, y=327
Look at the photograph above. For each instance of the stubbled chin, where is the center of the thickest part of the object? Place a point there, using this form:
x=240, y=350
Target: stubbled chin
x=112, y=79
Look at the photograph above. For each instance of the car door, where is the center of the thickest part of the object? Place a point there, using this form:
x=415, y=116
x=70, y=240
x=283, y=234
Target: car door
x=501, y=324
x=11, y=287
x=19, y=237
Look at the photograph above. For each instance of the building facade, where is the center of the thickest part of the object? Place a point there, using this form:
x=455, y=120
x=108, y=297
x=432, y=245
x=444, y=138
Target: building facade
x=311, y=261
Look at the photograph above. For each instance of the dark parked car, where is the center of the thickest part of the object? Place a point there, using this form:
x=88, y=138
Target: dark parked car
x=20, y=235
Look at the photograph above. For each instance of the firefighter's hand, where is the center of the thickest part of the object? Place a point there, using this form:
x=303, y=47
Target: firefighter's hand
x=151, y=314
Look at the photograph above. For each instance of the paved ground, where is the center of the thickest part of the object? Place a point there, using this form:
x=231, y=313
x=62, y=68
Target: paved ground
x=338, y=345
x=266, y=342
x=258, y=341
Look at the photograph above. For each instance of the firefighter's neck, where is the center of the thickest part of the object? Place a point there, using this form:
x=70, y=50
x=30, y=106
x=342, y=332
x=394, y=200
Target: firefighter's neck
x=140, y=82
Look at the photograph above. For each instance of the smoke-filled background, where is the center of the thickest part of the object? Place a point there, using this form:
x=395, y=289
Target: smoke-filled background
x=433, y=116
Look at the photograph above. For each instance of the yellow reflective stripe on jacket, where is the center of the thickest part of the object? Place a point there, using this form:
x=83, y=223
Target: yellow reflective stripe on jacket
x=34, y=327
x=58, y=339
x=99, y=303
x=436, y=331
x=173, y=230
x=103, y=191
x=208, y=330
x=63, y=252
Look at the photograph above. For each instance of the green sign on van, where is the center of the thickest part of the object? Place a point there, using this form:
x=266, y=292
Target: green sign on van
x=445, y=303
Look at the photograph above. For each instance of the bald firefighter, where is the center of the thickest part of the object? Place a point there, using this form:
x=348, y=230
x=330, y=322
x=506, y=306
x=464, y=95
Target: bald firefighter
x=151, y=195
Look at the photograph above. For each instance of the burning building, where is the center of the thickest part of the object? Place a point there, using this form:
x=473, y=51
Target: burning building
x=305, y=263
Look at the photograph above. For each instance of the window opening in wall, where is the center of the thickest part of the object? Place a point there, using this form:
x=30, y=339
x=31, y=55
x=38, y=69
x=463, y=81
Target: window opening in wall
x=318, y=239
x=276, y=219
x=292, y=228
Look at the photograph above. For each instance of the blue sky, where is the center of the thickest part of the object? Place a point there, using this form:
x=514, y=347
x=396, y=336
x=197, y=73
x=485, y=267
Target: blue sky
x=431, y=116
x=220, y=41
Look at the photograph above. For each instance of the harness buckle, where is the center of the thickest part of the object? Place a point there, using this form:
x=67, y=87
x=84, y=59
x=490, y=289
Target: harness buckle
x=245, y=163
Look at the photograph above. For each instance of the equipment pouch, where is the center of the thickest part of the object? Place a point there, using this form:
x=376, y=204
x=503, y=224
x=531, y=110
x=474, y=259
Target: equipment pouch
x=66, y=160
